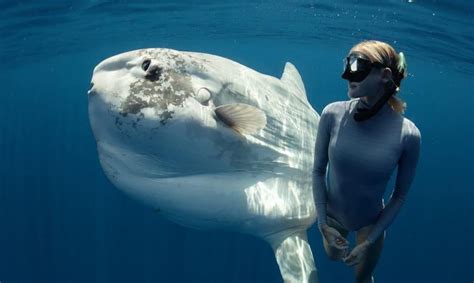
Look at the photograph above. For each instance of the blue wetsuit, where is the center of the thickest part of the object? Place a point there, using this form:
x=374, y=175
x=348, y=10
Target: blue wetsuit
x=362, y=156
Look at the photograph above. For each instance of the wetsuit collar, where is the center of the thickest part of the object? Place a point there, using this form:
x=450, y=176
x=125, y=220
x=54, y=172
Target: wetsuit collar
x=363, y=114
x=363, y=111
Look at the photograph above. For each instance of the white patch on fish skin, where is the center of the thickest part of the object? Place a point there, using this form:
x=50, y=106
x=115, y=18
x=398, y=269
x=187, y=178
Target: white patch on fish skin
x=162, y=141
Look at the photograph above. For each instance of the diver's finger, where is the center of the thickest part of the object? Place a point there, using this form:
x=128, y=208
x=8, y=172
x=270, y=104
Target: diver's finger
x=342, y=240
x=352, y=262
x=341, y=243
x=344, y=246
x=341, y=247
x=348, y=259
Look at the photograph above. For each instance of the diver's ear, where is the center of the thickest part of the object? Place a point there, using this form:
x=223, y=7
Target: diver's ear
x=386, y=75
x=387, y=80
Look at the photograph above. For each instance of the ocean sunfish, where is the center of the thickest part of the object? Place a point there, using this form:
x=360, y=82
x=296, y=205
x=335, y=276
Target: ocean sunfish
x=211, y=144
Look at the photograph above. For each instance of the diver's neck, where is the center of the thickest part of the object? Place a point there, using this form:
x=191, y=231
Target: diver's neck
x=367, y=102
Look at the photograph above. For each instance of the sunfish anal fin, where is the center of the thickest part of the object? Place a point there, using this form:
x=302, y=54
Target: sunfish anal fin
x=243, y=118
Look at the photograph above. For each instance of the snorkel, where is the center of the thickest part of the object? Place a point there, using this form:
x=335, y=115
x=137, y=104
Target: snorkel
x=358, y=67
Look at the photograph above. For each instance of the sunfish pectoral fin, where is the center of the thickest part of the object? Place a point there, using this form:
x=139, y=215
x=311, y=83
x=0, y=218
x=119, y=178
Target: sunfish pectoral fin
x=243, y=118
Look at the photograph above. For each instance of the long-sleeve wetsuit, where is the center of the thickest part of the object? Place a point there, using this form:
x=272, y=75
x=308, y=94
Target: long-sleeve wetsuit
x=361, y=158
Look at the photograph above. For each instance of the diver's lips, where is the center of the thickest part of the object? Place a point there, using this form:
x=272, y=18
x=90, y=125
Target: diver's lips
x=353, y=85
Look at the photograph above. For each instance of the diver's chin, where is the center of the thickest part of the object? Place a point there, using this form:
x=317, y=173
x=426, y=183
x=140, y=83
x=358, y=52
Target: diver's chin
x=353, y=94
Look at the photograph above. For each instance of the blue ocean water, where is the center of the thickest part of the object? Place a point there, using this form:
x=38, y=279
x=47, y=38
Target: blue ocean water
x=61, y=220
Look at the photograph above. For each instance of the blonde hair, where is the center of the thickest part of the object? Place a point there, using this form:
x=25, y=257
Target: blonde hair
x=378, y=51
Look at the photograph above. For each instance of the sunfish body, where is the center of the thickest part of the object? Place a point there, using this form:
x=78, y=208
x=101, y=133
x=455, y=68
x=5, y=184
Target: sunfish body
x=211, y=144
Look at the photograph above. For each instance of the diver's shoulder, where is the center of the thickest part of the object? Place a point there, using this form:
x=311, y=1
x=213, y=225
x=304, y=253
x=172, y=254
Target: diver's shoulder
x=410, y=130
x=335, y=107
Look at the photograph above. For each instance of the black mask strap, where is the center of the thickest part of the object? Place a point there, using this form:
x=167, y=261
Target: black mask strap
x=363, y=114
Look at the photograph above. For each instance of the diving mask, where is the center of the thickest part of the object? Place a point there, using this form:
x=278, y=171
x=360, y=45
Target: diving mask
x=357, y=67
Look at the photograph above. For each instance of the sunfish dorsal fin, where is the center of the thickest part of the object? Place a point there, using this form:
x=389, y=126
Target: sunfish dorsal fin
x=243, y=118
x=292, y=79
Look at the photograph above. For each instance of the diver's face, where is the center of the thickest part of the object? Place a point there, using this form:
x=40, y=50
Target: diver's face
x=368, y=87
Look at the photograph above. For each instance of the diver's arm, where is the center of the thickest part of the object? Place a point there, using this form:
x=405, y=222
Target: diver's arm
x=320, y=163
x=405, y=174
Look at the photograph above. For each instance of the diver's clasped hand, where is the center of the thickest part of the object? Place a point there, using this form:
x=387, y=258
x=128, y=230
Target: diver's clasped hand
x=333, y=237
x=357, y=254
x=337, y=241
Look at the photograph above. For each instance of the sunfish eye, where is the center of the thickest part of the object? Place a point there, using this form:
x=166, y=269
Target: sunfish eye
x=146, y=64
x=203, y=96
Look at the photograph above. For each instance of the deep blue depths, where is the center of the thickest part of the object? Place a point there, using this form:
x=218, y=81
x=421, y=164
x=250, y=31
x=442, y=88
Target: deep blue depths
x=62, y=221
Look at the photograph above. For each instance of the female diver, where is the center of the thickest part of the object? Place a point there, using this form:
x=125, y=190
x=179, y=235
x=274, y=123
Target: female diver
x=362, y=141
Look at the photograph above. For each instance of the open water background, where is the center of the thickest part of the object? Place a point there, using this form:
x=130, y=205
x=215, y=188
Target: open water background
x=62, y=221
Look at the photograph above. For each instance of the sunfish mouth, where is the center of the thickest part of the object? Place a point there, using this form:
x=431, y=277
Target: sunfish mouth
x=91, y=89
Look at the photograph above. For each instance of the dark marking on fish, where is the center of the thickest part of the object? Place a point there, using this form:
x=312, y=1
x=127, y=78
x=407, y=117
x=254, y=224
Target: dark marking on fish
x=165, y=116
